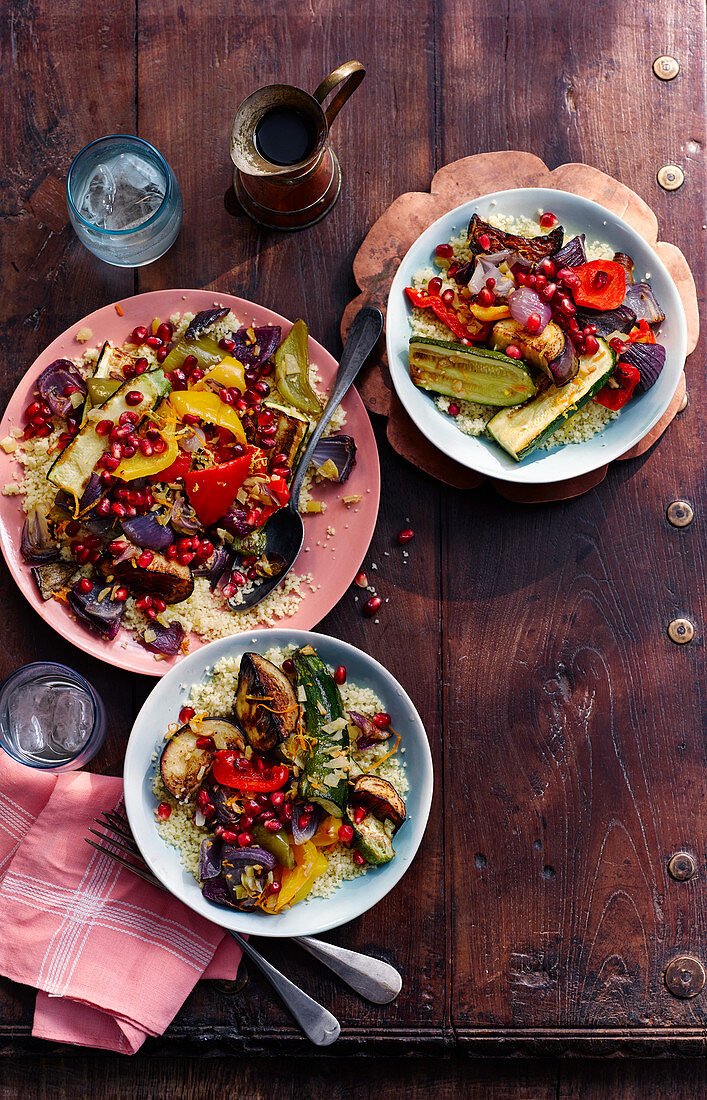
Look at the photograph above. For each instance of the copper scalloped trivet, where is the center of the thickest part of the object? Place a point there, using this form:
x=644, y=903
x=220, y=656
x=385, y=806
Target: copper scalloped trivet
x=402, y=223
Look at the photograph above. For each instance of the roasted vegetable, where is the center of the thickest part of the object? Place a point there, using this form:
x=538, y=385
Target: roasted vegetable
x=163, y=639
x=571, y=254
x=485, y=238
x=150, y=531
x=627, y=263
x=472, y=374
x=36, y=545
x=291, y=430
x=253, y=346
x=183, y=765
x=380, y=798
x=551, y=351
x=53, y=577
x=641, y=299
x=520, y=430
x=103, y=615
x=373, y=839
x=292, y=371
x=203, y=320
x=275, y=843
x=608, y=321
x=326, y=734
x=162, y=577
x=335, y=457
x=266, y=705
x=649, y=359
x=62, y=386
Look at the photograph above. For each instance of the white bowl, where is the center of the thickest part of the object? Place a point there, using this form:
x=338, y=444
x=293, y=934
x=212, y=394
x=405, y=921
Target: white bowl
x=577, y=215
x=162, y=707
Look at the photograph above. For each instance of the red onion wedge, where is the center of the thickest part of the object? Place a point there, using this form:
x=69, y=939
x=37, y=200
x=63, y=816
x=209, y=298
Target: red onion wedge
x=525, y=302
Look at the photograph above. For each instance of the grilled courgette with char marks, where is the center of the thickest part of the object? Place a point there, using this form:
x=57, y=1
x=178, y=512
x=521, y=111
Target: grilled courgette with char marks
x=326, y=735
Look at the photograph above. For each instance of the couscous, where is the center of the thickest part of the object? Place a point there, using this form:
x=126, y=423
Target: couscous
x=296, y=786
x=529, y=338
x=149, y=469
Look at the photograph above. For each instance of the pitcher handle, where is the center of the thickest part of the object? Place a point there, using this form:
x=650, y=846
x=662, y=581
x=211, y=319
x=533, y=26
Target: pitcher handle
x=349, y=75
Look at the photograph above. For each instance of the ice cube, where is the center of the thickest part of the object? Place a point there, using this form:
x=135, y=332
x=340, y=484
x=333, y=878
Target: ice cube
x=72, y=720
x=123, y=192
x=97, y=203
x=30, y=709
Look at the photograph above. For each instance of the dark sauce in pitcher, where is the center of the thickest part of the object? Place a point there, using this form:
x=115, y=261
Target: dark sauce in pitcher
x=285, y=136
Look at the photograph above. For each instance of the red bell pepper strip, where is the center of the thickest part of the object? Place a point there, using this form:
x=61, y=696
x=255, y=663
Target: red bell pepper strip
x=602, y=284
x=278, y=486
x=178, y=469
x=643, y=334
x=212, y=492
x=615, y=397
x=446, y=315
x=233, y=770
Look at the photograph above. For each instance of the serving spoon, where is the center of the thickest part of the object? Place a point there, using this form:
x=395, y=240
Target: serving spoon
x=284, y=532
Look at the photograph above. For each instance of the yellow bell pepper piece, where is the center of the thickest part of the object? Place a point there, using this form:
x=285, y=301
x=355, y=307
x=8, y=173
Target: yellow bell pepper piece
x=327, y=833
x=209, y=407
x=146, y=465
x=489, y=313
x=296, y=884
x=318, y=867
x=229, y=372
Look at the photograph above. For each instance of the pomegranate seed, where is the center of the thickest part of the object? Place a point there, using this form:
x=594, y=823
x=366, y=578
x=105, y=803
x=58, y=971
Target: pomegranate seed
x=161, y=354
x=121, y=494
x=303, y=821
x=251, y=575
x=600, y=279
x=145, y=559
x=144, y=603
x=159, y=446
x=513, y=351
x=153, y=342
x=202, y=798
x=485, y=297
x=185, y=714
x=117, y=508
x=252, y=807
x=530, y=280
x=230, y=837
x=38, y=421
x=346, y=833
x=288, y=666
x=133, y=397
x=186, y=559
x=566, y=306
x=286, y=811
x=241, y=404
x=245, y=821
x=82, y=554
x=453, y=409
x=250, y=374
x=85, y=585
x=103, y=507
x=164, y=332
x=484, y=241
x=238, y=578
x=185, y=544
x=244, y=839
x=618, y=345
x=33, y=410
x=277, y=798
x=274, y=887
x=405, y=535
x=282, y=471
x=547, y=220
x=490, y=282
x=171, y=552
x=358, y=815
x=591, y=345
x=382, y=720
x=138, y=335
x=196, y=375
x=534, y=323
x=540, y=283
x=434, y=286
x=359, y=860
x=116, y=548
x=547, y=267
x=445, y=251
x=261, y=388
x=219, y=830
x=590, y=330
x=164, y=810
x=103, y=427
x=548, y=291
x=140, y=365
x=372, y=605
x=274, y=825
x=146, y=447
x=226, y=396
x=205, y=743
x=340, y=675
x=72, y=528
x=361, y=580
x=448, y=296
x=121, y=594
x=227, y=345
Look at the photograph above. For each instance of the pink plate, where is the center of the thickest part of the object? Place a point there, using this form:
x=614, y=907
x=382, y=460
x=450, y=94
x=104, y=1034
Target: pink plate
x=333, y=561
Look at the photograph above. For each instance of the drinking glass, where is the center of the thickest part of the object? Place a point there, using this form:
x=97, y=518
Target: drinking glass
x=124, y=200
x=50, y=717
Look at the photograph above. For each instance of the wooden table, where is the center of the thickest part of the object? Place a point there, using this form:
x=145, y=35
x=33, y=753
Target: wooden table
x=565, y=725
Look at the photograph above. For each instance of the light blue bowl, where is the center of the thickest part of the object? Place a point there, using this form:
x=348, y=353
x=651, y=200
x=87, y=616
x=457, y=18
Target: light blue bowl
x=577, y=215
x=162, y=707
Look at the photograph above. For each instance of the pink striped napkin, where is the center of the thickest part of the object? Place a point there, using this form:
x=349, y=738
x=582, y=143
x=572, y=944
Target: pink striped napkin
x=112, y=957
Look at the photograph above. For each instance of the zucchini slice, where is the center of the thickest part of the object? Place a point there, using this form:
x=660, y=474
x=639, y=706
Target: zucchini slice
x=469, y=373
x=326, y=767
x=520, y=430
x=266, y=705
x=373, y=840
x=76, y=462
x=380, y=798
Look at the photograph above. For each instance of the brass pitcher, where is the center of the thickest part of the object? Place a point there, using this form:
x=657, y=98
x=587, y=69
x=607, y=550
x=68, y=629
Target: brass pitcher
x=291, y=196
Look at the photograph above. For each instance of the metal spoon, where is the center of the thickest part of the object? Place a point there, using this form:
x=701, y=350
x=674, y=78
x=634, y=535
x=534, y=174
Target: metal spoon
x=284, y=533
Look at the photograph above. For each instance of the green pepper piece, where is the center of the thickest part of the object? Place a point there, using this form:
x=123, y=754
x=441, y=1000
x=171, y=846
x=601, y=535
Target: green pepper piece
x=276, y=843
x=100, y=389
x=296, y=388
x=205, y=350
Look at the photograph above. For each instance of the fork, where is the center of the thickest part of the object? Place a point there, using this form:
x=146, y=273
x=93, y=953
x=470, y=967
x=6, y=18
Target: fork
x=373, y=979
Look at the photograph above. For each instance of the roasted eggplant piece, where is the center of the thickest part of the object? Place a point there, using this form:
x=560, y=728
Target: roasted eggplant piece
x=380, y=798
x=183, y=765
x=266, y=705
x=53, y=577
x=530, y=249
x=550, y=351
x=204, y=320
x=224, y=734
x=167, y=579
